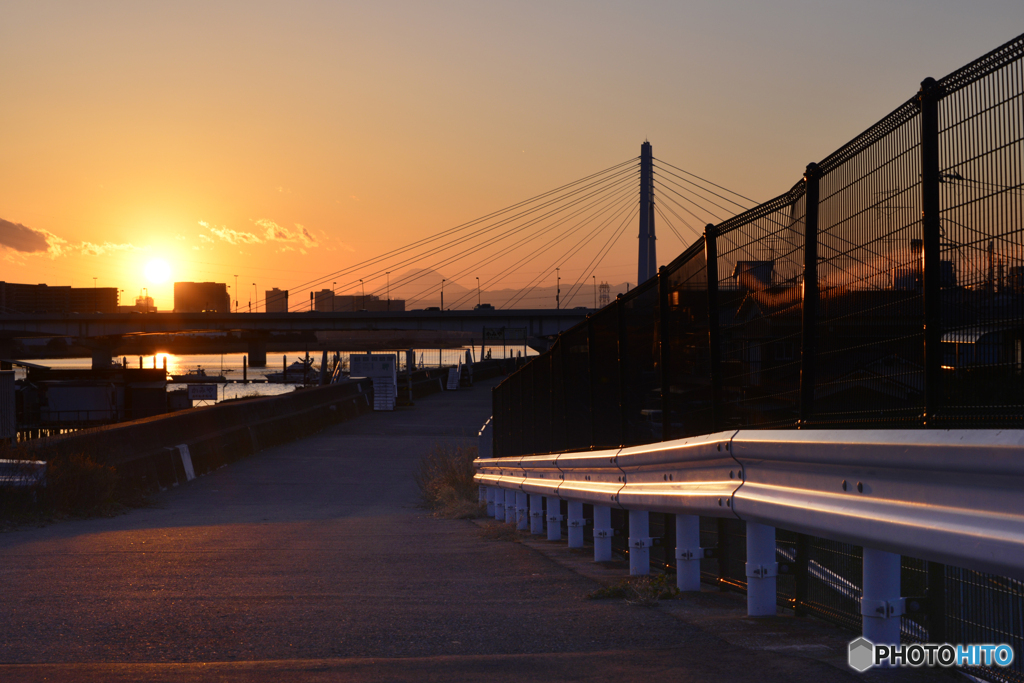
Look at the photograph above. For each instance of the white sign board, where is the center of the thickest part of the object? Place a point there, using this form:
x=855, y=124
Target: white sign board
x=202, y=392
x=374, y=366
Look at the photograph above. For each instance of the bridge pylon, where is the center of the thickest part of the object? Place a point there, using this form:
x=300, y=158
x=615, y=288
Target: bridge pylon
x=647, y=263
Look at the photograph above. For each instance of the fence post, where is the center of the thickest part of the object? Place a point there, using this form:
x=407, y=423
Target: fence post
x=936, y=602
x=602, y=533
x=809, y=308
x=620, y=317
x=591, y=371
x=800, y=574
x=929, y=98
x=714, y=343
x=664, y=353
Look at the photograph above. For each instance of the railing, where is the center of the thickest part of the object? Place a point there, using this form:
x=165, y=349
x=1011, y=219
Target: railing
x=884, y=291
x=950, y=498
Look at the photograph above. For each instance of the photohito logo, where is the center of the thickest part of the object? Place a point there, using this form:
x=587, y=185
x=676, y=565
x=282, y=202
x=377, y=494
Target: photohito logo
x=863, y=654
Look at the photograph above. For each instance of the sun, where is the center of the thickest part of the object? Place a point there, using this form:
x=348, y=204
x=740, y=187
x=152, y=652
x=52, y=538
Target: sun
x=157, y=271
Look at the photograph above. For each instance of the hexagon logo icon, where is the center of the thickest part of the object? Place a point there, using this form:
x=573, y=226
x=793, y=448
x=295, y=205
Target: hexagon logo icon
x=861, y=654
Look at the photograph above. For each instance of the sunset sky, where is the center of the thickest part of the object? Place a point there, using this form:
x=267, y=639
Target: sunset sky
x=278, y=141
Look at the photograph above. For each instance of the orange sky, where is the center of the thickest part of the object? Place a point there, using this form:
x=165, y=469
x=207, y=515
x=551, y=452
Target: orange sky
x=278, y=142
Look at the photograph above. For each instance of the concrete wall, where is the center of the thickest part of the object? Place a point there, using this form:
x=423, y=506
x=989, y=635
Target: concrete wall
x=144, y=451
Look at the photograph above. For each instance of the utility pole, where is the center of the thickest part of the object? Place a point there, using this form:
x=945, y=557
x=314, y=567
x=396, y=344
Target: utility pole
x=595, y=292
x=236, y=294
x=478, y=292
x=388, y=274
x=647, y=263
x=442, y=295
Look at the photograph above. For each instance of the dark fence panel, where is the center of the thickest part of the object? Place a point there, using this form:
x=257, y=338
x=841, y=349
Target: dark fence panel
x=911, y=241
x=604, y=364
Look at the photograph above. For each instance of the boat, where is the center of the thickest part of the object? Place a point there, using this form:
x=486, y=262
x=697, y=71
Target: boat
x=299, y=372
x=198, y=376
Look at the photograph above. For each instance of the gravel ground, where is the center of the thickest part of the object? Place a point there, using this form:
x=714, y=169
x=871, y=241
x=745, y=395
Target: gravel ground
x=312, y=562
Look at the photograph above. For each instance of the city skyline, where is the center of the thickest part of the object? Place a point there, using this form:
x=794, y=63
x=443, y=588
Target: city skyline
x=197, y=143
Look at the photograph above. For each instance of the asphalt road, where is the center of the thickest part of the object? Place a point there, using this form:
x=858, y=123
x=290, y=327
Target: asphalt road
x=312, y=562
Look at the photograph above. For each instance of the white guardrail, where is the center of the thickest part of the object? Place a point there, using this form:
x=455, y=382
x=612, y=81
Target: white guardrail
x=955, y=497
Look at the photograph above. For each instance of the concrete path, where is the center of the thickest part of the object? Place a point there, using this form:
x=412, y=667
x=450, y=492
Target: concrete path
x=311, y=562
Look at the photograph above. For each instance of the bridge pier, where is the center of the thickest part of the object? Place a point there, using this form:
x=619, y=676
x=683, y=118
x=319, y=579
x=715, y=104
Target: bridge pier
x=762, y=569
x=102, y=349
x=536, y=514
x=602, y=533
x=639, y=543
x=258, y=352
x=688, y=552
x=881, y=607
x=554, y=514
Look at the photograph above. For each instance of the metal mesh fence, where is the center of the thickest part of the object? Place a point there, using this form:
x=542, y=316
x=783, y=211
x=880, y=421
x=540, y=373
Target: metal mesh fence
x=885, y=289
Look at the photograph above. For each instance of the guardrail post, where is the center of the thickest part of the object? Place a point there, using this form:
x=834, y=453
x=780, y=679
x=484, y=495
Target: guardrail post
x=761, y=570
x=576, y=523
x=554, y=515
x=489, y=500
x=881, y=605
x=714, y=344
x=536, y=514
x=510, y=506
x=602, y=533
x=498, y=512
x=639, y=543
x=688, y=552
x=522, y=518
x=809, y=309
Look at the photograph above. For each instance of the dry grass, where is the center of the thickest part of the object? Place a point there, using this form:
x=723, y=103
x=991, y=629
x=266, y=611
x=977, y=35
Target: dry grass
x=445, y=479
x=642, y=591
x=501, y=531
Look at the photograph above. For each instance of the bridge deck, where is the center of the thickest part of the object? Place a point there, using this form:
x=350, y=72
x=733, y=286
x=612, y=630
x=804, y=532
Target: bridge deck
x=311, y=561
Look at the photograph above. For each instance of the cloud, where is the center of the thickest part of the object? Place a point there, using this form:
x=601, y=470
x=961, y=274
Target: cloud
x=205, y=238
x=21, y=238
x=231, y=236
x=279, y=233
x=90, y=249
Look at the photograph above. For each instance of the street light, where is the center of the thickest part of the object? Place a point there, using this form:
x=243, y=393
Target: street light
x=478, y=292
x=236, y=294
x=442, y=295
x=595, y=292
x=364, y=295
x=389, y=289
x=558, y=288
x=255, y=297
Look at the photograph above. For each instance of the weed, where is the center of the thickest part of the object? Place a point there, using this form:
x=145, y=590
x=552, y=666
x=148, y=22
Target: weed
x=644, y=591
x=445, y=480
x=500, y=531
x=78, y=485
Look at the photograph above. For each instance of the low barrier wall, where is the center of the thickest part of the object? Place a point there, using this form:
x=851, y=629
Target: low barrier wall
x=145, y=452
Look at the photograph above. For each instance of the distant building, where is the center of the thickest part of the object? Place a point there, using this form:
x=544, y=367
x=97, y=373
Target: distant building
x=370, y=302
x=196, y=297
x=17, y=298
x=324, y=300
x=277, y=300
x=143, y=304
